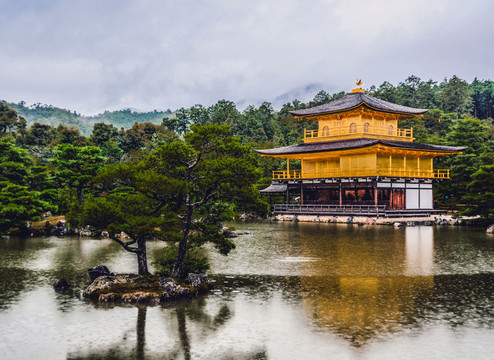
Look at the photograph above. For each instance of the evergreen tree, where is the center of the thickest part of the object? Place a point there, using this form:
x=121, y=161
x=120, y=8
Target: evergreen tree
x=483, y=98
x=178, y=122
x=159, y=196
x=455, y=96
x=76, y=166
x=322, y=97
x=10, y=121
x=138, y=201
x=18, y=203
x=481, y=192
x=102, y=133
x=213, y=167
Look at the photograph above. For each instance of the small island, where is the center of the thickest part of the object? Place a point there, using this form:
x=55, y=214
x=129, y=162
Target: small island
x=149, y=289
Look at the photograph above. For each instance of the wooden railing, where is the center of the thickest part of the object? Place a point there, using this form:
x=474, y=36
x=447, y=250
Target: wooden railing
x=358, y=131
x=297, y=174
x=283, y=174
x=441, y=174
x=350, y=210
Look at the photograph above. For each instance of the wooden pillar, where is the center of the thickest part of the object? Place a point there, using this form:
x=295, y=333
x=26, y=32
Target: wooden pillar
x=375, y=196
x=390, y=165
x=341, y=195
x=287, y=195
x=288, y=168
x=301, y=194
x=391, y=198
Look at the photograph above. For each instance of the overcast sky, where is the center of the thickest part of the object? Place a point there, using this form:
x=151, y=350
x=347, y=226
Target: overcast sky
x=95, y=55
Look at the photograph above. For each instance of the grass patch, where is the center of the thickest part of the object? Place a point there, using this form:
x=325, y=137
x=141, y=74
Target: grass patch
x=40, y=225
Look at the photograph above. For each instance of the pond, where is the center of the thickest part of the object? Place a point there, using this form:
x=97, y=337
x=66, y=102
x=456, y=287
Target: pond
x=288, y=291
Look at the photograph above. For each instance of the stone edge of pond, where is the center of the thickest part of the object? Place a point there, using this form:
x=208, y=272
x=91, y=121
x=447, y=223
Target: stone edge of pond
x=148, y=289
x=369, y=220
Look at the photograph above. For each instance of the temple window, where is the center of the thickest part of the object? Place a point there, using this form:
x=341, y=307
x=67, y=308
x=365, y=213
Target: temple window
x=353, y=128
x=366, y=127
x=325, y=131
x=390, y=130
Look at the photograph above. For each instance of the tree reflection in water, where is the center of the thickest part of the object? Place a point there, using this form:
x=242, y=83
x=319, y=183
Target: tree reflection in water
x=182, y=331
x=141, y=332
x=184, y=312
x=347, y=291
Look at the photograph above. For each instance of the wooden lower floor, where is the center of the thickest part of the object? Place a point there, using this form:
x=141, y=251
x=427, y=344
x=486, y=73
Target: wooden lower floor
x=351, y=210
x=388, y=194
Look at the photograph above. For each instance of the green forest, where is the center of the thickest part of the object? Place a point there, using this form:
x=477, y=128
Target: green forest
x=50, y=115
x=53, y=162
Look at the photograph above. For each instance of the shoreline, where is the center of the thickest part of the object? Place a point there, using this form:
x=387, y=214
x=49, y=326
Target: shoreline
x=57, y=226
x=367, y=220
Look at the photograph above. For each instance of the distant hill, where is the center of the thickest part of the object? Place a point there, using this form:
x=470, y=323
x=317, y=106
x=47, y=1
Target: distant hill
x=302, y=93
x=50, y=115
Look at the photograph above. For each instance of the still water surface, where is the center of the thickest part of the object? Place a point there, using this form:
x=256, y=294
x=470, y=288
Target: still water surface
x=288, y=291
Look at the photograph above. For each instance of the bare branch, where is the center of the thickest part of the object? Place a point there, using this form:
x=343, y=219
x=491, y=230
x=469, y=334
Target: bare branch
x=125, y=245
x=209, y=194
x=158, y=208
x=194, y=163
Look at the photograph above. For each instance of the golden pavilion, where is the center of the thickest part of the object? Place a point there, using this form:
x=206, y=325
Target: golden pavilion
x=358, y=161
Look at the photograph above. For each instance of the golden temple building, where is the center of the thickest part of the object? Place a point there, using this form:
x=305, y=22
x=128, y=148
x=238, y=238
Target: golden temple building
x=358, y=161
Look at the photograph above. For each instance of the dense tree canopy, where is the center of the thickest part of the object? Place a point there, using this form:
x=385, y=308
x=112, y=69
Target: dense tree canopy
x=10, y=122
x=76, y=167
x=158, y=197
x=18, y=203
x=212, y=166
x=56, y=164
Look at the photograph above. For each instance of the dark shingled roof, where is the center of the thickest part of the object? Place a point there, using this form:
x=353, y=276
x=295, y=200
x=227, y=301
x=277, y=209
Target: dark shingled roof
x=354, y=144
x=353, y=100
x=274, y=188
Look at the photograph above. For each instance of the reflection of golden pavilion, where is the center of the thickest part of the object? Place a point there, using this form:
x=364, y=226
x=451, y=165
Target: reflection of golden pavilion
x=367, y=295
x=359, y=156
x=361, y=309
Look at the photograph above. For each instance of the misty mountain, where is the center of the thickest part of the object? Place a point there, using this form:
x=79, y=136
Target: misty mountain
x=51, y=115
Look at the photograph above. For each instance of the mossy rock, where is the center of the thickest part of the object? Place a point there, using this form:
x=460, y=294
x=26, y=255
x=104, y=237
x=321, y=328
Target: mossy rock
x=129, y=288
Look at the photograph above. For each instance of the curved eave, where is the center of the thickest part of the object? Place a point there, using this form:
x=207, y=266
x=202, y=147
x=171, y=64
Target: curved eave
x=309, y=148
x=325, y=147
x=363, y=103
x=445, y=150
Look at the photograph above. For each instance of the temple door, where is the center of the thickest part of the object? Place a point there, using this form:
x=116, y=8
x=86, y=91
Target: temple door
x=398, y=199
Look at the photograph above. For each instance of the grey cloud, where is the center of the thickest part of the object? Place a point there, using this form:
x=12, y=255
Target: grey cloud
x=95, y=55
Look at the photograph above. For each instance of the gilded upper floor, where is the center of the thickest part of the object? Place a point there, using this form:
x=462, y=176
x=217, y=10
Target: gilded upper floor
x=358, y=136
x=358, y=115
x=361, y=157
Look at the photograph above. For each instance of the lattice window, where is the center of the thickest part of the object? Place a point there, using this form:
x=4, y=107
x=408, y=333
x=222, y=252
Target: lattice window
x=353, y=128
x=366, y=127
x=390, y=130
x=325, y=131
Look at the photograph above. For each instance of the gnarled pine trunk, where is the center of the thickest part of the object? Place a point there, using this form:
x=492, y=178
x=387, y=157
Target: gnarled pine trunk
x=178, y=267
x=142, y=260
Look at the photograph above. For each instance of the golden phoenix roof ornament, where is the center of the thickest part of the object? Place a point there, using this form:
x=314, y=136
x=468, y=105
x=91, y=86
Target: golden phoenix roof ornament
x=359, y=86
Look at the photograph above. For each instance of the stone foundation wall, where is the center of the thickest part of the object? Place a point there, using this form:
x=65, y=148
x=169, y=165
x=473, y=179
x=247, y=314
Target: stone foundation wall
x=364, y=220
